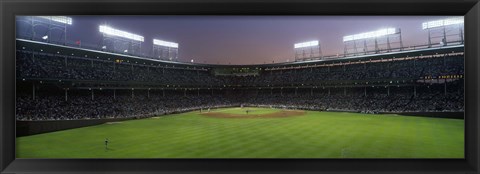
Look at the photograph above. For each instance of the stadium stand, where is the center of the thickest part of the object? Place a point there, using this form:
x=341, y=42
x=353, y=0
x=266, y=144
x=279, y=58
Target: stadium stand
x=58, y=86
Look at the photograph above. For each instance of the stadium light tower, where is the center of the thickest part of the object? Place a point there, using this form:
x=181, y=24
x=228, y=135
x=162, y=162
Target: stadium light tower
x=120, y=41
x=49, y=27
x=165, y=50
x=444, y=31
x=383, y=40
x=308, y=50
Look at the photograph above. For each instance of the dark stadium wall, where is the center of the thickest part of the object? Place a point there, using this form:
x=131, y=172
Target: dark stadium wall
x=25, y=128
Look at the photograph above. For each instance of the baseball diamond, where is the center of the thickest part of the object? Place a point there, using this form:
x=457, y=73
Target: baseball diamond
x=313, y=134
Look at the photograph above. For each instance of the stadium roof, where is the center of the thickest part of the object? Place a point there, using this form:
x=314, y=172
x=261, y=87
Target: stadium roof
x=89, y=53
x=410, y=53
x=103, y=55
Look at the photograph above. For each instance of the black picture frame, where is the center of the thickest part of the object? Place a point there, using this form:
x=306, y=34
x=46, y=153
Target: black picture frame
x=9, y=9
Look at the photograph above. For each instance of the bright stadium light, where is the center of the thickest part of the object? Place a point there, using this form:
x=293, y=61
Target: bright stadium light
x=372, y=34
x=306, y=44
x=111, y=31
x=165, y=43
x=443, y=22
x=45, y=37
x=61, y=19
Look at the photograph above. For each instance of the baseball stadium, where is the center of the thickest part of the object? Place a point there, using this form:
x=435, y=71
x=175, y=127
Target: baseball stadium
x=379, y=99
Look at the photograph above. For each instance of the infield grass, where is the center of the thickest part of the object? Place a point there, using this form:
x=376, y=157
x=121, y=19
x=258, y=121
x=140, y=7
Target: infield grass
x=313, y=135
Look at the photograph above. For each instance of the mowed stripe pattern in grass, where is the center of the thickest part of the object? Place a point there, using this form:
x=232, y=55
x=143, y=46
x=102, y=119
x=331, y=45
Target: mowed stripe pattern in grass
x=314, y=135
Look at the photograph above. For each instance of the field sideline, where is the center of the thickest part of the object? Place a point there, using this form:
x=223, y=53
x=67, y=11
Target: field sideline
x=312, y=135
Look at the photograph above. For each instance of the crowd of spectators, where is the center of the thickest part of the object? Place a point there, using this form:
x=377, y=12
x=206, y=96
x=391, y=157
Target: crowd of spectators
x=103, y=106
x=377, y=99
x=400, y=69
x=75, y=68
x=426, y=97
x=57, y=67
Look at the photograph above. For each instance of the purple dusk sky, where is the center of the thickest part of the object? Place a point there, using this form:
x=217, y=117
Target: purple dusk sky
x=245, y=39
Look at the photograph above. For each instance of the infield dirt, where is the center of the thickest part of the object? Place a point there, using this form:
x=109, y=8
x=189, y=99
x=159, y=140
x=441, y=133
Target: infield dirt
x=280, y=114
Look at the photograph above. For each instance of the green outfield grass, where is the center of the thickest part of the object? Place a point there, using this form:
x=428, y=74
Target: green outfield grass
x=313, y=135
